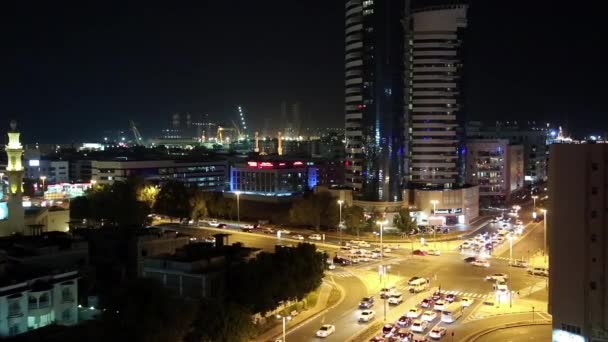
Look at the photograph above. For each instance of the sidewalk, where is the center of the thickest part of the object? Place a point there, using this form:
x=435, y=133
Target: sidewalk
x=276, y=332
x=535, y=307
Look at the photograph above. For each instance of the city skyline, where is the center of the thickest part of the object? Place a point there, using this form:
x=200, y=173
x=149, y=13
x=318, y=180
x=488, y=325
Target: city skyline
x=150, y=63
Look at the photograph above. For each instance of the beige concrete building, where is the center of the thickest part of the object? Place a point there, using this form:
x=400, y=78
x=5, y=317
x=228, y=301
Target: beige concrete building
x=577, y=241
x=453, y=206
x=497, y=167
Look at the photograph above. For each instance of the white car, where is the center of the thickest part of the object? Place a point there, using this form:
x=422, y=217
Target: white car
x=376, y=254
x=439, y=305
x=331, y=266
x=501, y=285
x=387, y=250
x=395, y=299
x=466, y=301
x=367, y=315
x=326, y=330
x=214, y=223
x=497, y=276
x=437, y=333
x=315, y=237
x=419, y=326
x=429, y=316
x=247, y=226
x=297, y=237
x=364, y=244
x=480, y=263
x=434, y=252
x=414, y=313
x=283, y=231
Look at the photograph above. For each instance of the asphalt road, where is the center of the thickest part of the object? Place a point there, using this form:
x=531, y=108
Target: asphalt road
x=519, y=334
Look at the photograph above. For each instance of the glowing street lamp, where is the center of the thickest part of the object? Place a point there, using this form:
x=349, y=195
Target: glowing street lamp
x=534, y=198
x=434, y=203
x=381, y=224
x=43, y=179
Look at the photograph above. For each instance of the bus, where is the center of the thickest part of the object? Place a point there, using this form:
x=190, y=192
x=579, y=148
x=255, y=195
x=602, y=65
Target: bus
x=451, y=313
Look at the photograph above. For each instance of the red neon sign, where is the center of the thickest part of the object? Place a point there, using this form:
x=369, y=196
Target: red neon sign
x=297, y=163
x=252, y=164
x=266, y=164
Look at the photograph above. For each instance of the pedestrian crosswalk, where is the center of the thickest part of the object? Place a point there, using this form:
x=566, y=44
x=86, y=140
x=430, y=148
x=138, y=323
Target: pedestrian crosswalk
x=340, y=274
x=465, y=294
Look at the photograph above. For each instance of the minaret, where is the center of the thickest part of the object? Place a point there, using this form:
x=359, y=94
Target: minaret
x=280, y=145
x=14, y=172
x=257, y=143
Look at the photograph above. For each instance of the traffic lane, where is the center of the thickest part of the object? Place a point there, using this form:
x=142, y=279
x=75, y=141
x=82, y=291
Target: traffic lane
x=525, y=333
x=343, y=316
x=467, y=329
x=531, y=243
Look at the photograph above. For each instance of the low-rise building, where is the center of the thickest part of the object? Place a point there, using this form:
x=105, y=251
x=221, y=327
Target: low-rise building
x=497, y=167
x=444, y=206
x=207, y=175
x=48, y=171
x=32, y=299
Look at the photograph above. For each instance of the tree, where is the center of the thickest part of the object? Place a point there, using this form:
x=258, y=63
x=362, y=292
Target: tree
x=354, y=218
x=316, y=210
x=172, y=200
x=198, y=205
x=117, y=203
x=80, y=208
x=147, y=194
x=370, y=223
x=143, y=310
x=404, y=221
x=221, y=322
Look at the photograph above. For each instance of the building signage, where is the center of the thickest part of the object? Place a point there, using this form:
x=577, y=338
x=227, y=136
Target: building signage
x=450, y=211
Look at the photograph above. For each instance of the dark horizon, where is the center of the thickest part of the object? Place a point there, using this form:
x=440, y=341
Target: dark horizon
x=70, y=74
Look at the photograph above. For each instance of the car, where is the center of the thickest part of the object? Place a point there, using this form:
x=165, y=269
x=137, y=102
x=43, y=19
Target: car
x=377, y=339
x=284, y=231
x=470, y=259
x=376, y=254
x=326, y=330
x=364, y=244
x=222, y=225
x=419, y=326
x=519, y=222
x=366, y=302
x=439, y=305
x=429, y=316
x=404, y=335
x=387, y=291
x=331, y=266
x=541, y=271
x=427, y=303
x=268, y=231
x=501, y=285
x=518, y=263
x=437, y=295
x=465, y=245
x=297, y=237
x=434, y=252
x=497, y=276
x=395, y=299
x=388, y=330
x=466, y=301
x=367, y=315
x=493, y=220
x=480, y=263
x=387, y=249
x=247, y=226
x=341, y=261
x=414, y=313
x=210, y=239
x=450, y=297
x=419, y=252
x=213, y=223
x=412, y=280
x=404, y=321
x=315, y=237
x=363, y=258
x=437, y=333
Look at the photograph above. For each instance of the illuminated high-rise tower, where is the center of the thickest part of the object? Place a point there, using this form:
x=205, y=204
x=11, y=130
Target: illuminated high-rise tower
x=11, y=212
x=374, y=104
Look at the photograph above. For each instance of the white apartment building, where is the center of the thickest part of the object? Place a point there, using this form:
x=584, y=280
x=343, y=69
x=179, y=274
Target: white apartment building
x=497, y=167
x=577, y=241
x=35, y=303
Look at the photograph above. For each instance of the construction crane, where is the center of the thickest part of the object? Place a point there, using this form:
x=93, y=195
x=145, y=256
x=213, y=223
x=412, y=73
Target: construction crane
x=242, y=120
x=138, y=138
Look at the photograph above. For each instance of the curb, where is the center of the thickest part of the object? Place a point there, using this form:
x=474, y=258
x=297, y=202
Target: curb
x=314, y=316
x=476, y=335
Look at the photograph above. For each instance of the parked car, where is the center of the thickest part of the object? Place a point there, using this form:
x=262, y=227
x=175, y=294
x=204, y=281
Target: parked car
x=315, y=237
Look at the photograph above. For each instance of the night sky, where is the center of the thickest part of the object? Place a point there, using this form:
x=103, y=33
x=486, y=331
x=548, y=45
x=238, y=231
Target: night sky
x=68, y=73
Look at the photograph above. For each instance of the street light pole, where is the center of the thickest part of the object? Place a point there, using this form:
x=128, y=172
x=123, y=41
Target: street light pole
x=238, y=208
x=534, y=198
x=545, y=229
x=434, y=203
x=340, y=202
x=285, y=319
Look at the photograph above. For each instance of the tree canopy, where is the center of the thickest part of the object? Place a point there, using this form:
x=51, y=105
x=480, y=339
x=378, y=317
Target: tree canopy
x=404, y=221
x=315, y=210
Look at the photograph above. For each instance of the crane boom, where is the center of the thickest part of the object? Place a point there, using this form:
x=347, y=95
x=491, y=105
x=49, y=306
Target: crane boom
x=138, y=138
